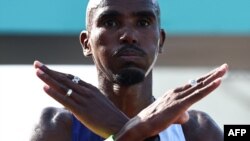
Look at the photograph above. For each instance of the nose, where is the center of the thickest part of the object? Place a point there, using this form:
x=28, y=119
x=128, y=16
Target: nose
x=128, y=36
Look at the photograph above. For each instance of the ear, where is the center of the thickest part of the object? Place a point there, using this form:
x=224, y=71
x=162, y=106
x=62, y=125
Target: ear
x=161, y=40
x=84, y=40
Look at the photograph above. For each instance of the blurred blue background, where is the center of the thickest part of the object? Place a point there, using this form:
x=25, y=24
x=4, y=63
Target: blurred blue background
x=178, y=16
x=201, y=34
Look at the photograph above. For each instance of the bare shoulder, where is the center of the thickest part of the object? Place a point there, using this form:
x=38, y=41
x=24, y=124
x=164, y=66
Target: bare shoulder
x=54, y=124
x=201, y=127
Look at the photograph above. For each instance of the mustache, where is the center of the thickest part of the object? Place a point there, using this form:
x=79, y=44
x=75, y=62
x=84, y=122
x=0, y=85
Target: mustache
x=129, y=48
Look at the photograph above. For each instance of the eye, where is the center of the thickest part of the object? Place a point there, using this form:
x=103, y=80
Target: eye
x=110, y=23
x=143, y=22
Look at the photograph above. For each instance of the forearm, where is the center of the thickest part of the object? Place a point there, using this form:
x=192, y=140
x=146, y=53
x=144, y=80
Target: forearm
x=136, y=130
x=130, y=131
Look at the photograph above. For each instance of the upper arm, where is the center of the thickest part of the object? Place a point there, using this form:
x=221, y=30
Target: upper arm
x=201, y=127
x=54, y=125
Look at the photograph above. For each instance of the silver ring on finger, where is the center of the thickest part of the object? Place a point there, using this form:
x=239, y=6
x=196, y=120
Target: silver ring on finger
x=193, y=82
x=69, y=92
x=76, y=79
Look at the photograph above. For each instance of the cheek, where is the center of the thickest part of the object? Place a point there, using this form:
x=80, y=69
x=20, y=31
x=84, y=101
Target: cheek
x=101, y=42
x=100, y=38
x=153, y=47
x=150, y=40
x=149, y=36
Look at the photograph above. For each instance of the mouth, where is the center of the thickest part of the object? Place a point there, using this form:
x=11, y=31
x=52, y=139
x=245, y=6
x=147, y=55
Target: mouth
x=129, y=51
x=130, y=55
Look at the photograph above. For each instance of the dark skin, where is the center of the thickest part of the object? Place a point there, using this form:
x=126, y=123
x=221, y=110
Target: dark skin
x=115, y=24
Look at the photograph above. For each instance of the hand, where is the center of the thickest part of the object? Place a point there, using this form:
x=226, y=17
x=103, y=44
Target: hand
x=171, y=107
x=168, y=109
x=86, y=102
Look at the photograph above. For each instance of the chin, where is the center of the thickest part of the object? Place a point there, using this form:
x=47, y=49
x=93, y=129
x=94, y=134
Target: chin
x=129, y=76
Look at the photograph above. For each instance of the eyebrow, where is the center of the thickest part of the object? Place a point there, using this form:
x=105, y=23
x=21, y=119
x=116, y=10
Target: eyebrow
x=110, y=13
x=114, y=13
x=150, y=14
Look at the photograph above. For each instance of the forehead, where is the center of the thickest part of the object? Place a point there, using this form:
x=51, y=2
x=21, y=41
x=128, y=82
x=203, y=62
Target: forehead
x=95, y=3
x=122, y=5
x=125, y=2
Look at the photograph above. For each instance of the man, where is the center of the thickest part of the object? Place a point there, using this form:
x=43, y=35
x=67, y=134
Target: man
x=124, y=39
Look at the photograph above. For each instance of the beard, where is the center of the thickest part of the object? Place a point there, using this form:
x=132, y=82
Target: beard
x=129, y=76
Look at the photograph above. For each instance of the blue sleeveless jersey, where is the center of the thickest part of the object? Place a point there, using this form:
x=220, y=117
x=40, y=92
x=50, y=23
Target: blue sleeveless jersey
x=82, y=133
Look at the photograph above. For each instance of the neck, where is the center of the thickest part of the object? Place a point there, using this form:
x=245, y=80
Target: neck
x=129, y=99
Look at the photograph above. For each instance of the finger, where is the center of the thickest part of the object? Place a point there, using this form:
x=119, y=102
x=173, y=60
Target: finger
x=54, y=74
x=64, y=100
x=37, y=64
x=59, y=76
x=60, y=87
x=44, y=68
x=204, y=80
x=50, y=81
x=80, y=82
x=217, y=74
x=224, y=66
x=182, y=88
x=200, y=93
x=40, y=65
